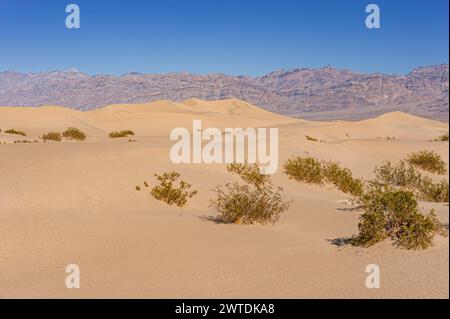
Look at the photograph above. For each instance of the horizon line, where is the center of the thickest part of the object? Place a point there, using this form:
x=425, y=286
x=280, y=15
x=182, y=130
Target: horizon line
x=328, y=66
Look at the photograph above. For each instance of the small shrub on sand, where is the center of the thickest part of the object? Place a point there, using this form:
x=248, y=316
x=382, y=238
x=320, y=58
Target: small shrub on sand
x=343, y=179
x=428, y=161
x=138, y=188
x=442, y=138
x=14, y=131
x=310, y=138
x=433, y=192
x=52, y=136
x=392, y=213
x=124, y=133
x=310, y=170
x=304, y=169
x=74, y=133
x=254, y=202
x=167, y=192
x=406, y=177
x=398, y=175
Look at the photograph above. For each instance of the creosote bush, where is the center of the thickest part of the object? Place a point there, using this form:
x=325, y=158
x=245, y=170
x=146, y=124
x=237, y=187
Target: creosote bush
x=304, y=169
x=312, y=171
x=256, y=201
x=169, y=193
x=393, y=213
x=52, y=136
x=442, y=138
x=124, y=133
x=428, y=161
x=310, y=138
x=16, y=132
x=74, y=133
x=398, y=175
x=343, y=179
x=404, y=176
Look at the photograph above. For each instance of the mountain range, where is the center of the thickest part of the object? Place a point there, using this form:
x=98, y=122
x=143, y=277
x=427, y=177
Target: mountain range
x=320, y=94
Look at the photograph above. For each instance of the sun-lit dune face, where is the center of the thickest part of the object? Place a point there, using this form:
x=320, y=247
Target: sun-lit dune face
x=77, y=202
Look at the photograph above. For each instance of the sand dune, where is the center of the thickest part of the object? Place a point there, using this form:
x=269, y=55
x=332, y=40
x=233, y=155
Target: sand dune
x=75, y=202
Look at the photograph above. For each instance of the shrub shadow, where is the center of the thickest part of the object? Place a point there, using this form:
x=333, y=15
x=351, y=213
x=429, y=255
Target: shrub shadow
x=214, y=219
x=340, y=241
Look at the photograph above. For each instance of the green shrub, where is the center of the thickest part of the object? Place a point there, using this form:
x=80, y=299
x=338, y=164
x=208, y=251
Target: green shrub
x=255, y=201
x=343, y=179
x=167, y=192
x=428, y=161
x=17, y=132
x=124, y=133
x=406, y=177
x=394, y=213
x=311, y=170
x=52, y=136
x=74, y=133
x=432, y=192
x=442, y=138
x=398, y=175
x=304, y=169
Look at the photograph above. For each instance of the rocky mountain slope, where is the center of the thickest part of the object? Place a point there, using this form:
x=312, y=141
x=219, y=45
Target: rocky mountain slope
x=325, y=93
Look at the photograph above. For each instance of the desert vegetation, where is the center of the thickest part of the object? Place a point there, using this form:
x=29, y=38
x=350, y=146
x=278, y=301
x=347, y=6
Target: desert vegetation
x=387, y=138
x=312, y=171
x=16, y=132
x=406, y=177
x=389, y=201
x=441, y=138
x=74, y=133
x=52, y=136
x=170, y=193
x=255, y=201
x=393, y=213
x=123, y=133
x=428, y=161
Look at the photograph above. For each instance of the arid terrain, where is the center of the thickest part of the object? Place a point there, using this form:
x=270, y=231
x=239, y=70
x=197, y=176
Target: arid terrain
x=75, y=202
x=317, y=94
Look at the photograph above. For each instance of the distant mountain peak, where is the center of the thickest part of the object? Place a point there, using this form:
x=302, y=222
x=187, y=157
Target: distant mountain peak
x=71, y=70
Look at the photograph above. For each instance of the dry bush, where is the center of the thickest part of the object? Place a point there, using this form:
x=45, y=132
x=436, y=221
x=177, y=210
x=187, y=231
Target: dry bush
x=123, y=133
x=428, y=161
x=311, y=170
x=14, y=131
x=406, y=177
x=343, y=179
x=398, y=175
x=74, y=133
x=52, y=136
x=442, y=138
x=304, y=169
x=310, y=138
x=393, y=213
x=167, y=192
x=255, y=201
x=433, y=192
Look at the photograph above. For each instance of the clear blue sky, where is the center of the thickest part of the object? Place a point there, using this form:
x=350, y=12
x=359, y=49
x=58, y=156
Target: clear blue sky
x=229, y=36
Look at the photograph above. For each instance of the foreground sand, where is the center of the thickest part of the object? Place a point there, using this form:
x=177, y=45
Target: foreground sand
x=72, y=202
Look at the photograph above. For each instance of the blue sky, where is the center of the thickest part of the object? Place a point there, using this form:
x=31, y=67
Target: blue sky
x=250, y=37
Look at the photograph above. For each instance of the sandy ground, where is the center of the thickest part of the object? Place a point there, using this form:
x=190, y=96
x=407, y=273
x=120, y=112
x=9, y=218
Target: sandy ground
x=75, y=202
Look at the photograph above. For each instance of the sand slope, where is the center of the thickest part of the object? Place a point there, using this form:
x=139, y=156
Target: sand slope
x=73, y=202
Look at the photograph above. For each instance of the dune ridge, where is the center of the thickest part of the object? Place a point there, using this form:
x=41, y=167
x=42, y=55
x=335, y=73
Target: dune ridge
x=76, y=202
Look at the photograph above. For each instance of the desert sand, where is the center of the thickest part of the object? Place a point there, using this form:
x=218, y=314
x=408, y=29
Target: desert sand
x=75, y=203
